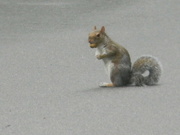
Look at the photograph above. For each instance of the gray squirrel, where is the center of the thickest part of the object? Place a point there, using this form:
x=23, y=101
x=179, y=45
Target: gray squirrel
x=118, y=63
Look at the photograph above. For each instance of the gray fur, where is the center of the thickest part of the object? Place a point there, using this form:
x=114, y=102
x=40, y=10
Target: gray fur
x=121, y=76
x=152, y=65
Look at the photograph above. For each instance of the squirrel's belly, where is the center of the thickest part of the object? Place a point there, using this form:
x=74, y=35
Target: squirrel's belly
x=109, y=66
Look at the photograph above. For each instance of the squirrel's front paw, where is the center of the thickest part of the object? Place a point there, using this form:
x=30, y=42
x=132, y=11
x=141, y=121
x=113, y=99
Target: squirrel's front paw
x=98, y=57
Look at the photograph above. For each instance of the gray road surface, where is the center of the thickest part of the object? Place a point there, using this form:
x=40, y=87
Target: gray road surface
x=49, y=76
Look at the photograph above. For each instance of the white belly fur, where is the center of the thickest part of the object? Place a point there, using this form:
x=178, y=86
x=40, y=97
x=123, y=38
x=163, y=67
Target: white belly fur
x=107, y=62
x=108, y=66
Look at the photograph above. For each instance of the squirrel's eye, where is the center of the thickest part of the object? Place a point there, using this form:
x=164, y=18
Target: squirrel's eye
x=98, y=35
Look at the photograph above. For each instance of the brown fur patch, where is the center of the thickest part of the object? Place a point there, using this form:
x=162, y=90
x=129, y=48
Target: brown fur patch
x=93, y=34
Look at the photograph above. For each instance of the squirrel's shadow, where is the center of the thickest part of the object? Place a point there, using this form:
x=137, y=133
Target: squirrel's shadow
x=107, y=88
x=129, y=87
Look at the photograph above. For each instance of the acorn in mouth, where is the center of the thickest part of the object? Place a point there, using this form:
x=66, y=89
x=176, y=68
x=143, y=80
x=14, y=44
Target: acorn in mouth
x=93, y=45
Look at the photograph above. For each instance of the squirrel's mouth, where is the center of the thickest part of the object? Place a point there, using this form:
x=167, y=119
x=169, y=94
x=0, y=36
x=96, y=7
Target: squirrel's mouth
x=93, y=45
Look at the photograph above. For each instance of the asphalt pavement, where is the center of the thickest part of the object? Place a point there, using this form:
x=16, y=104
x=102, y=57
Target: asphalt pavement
x=49, y=75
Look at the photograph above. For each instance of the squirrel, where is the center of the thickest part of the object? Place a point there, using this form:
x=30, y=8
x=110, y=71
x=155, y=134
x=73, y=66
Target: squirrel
x=118, y=63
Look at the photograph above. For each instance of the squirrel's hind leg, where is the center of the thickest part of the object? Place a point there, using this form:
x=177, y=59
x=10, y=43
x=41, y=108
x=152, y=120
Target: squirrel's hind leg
x=120, y=77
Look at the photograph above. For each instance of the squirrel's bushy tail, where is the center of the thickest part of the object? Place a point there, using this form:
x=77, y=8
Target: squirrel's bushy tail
x=141, y=66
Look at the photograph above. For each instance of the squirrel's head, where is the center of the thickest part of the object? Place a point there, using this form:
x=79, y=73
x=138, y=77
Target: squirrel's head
x=96, y=37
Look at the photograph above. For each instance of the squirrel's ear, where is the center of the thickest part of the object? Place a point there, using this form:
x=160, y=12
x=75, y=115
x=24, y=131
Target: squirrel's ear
x=94, y=27
x=102, y=29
